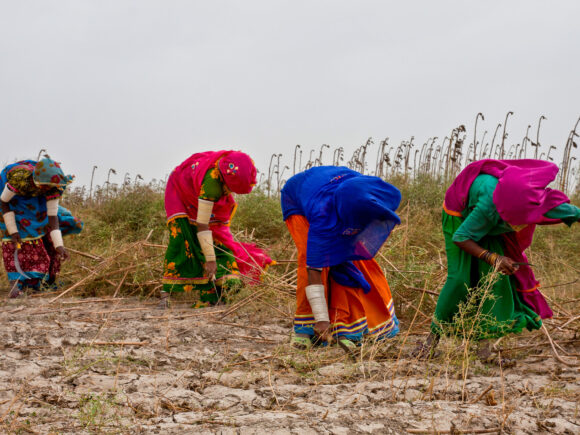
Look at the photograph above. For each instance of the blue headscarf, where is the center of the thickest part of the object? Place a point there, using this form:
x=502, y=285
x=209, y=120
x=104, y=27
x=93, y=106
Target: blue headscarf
x=350, y=214
x=47, y=172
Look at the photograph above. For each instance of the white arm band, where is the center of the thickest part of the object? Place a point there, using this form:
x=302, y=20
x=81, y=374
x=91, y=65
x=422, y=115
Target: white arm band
x=56, y=237
x=7, y=195
x=317, y=300
x=10, y=221
x=204, y=209
x=206, y=241
x=52, y=207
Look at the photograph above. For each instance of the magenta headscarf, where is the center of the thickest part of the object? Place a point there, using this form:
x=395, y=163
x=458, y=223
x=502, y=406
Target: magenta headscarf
x=522, y=197
x=184, y=184
x=182, y=193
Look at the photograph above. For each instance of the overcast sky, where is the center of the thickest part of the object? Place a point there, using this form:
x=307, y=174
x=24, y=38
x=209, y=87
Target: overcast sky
x=140, y=85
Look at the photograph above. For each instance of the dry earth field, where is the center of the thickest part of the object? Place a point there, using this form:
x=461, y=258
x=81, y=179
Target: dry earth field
x=121, y=366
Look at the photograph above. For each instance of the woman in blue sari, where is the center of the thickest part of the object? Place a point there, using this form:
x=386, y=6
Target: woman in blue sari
x=33, y=223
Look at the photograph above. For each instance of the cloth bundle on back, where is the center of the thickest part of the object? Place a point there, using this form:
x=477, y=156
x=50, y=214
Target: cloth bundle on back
x=33, y=222
x=497, y=204
x=202, y=253
x=339, y=219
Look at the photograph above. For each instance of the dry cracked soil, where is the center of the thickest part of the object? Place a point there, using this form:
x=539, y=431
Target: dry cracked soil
x=121, y=366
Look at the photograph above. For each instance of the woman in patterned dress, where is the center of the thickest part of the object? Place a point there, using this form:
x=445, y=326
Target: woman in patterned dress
x=202, y=254
x=33, y=223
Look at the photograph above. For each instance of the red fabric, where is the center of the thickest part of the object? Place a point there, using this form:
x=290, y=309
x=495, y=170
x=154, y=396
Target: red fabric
x=184, y=184
x=37, y=256
x=55, y=261
x=527, y=284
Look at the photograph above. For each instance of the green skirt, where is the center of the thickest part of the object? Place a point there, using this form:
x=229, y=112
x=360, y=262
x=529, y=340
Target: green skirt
x=474, y=302
x=183, y=269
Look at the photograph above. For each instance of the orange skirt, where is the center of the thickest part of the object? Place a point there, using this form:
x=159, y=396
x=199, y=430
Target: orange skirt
x=353, y=313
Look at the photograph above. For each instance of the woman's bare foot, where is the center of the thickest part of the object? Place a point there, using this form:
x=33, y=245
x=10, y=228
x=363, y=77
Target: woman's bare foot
x=484, y=352
x=488, y=355
x=15, y=292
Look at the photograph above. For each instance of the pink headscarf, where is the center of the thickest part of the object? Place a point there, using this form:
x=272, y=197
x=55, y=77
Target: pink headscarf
x=238, y=171
x=522, y=195
x=184, y=184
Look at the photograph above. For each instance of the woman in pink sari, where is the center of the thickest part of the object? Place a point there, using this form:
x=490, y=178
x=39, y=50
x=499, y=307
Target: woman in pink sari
x=202, y=253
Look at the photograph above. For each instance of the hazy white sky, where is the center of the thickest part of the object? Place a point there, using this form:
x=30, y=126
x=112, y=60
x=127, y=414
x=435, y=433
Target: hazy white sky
x=140, y=85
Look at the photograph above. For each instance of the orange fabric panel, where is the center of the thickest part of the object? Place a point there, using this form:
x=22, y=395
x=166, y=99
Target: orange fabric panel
x=298, y=227
x=378, y=303
x=347, y=305
x=451, y=212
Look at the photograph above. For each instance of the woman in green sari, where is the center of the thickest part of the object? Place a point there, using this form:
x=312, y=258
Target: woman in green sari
x=202, y=254
x=488, y=218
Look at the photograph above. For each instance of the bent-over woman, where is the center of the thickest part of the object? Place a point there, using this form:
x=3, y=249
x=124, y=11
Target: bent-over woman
x=34, y=223
x=202, y=254
x=339, y=219
x=489, y=216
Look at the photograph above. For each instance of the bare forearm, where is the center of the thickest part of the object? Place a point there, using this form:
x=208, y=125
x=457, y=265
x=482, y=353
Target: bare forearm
x=506, y=265
x=471, y=247
x=53, y=223
x=5, y=207
x=314, y=276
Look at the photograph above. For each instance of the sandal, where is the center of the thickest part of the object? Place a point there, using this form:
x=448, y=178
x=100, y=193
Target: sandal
x=350, y=347
x=301, y=341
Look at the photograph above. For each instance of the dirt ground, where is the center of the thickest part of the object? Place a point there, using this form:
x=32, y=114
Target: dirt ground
x=90, y=366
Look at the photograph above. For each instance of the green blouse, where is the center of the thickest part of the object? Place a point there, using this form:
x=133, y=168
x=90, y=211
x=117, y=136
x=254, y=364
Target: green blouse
x=482, y=218
x=213, y=186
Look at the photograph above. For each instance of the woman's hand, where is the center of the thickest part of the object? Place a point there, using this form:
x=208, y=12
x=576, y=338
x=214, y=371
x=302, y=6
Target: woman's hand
x=506, y=265
x=16, y=239
x=322, y=331
x=62, y=253
x=211, y=269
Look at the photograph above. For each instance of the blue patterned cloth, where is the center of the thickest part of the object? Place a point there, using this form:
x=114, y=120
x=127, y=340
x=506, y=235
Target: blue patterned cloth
x=30, y=211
